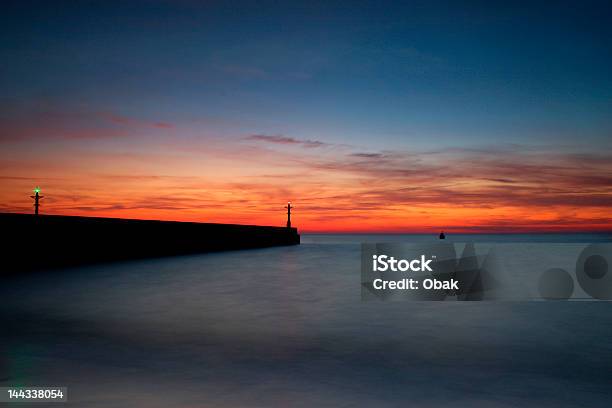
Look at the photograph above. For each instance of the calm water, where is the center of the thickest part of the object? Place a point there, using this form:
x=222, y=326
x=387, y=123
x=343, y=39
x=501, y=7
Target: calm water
x=285, y=327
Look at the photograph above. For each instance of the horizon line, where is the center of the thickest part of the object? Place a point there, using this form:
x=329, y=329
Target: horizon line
x=428, y=231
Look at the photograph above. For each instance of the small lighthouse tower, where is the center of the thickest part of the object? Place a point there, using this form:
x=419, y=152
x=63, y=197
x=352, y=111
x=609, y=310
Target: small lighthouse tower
x=36, y=198
x=288, y=207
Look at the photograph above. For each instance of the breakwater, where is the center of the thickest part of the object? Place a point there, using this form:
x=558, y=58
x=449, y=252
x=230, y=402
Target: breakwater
x=31, y=242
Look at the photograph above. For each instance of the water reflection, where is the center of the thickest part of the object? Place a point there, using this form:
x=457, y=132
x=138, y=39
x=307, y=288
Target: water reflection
x=286, y=327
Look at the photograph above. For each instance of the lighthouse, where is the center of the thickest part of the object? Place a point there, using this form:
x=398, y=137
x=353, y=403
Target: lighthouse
x=288, y=207
x=36, y=198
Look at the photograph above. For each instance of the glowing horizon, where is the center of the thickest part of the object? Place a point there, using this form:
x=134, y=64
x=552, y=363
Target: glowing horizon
x=333, y=188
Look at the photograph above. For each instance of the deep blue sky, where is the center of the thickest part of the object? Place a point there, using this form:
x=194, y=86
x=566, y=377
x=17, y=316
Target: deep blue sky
x=376, y=73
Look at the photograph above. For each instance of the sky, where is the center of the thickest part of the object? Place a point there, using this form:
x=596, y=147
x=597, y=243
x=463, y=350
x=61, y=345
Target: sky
x=367, y=116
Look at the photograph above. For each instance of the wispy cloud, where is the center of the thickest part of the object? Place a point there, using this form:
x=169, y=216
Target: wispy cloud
x=367, y=155
x=42, y=123
x=131, y=121
x=285, y=140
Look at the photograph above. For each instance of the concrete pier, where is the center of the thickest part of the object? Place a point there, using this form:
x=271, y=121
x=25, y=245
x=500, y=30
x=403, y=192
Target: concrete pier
x=31, y=242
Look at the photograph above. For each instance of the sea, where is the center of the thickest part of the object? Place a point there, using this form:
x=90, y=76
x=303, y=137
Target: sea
x=286, y=327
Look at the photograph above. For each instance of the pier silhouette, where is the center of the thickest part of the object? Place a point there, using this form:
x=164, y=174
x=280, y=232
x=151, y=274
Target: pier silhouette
x=69, y=240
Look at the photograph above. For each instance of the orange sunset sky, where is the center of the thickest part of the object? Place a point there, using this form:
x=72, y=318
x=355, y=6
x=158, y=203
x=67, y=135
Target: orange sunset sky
x=333, y=187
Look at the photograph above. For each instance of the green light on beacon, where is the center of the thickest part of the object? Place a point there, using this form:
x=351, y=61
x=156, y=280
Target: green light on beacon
x=37, y=189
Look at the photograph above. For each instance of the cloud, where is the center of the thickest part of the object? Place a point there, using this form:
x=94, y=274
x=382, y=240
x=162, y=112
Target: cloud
x=502, y=180
x=367, y=155
x=285, y=140
x=134, y=122
x=163, y=125
x=37, y=123
x=483, y=178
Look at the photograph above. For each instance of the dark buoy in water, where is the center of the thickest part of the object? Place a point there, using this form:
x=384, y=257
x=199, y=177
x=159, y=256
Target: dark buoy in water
x=442, y=236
